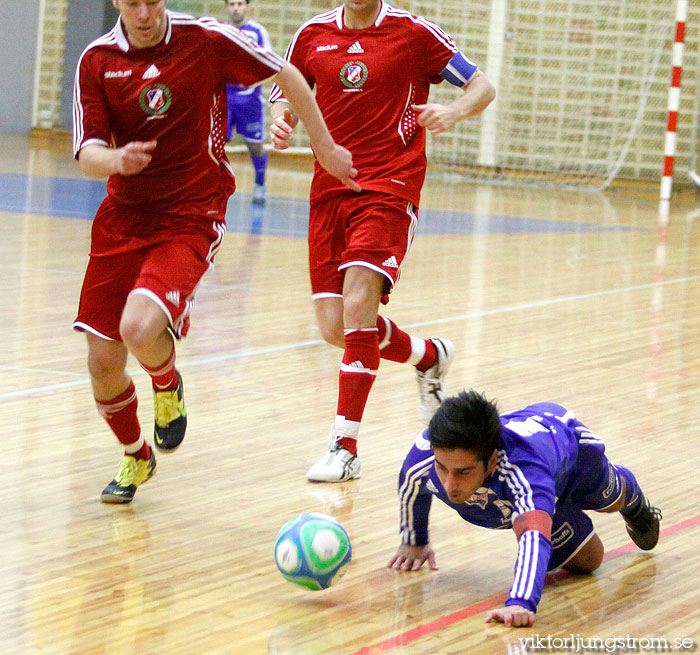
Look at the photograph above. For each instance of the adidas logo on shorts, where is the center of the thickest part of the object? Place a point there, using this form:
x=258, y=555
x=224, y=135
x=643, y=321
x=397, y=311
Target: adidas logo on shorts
x=173, y=297
x=391, y=262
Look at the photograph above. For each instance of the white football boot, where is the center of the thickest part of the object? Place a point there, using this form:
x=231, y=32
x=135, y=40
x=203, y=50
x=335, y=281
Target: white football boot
x=337, y=465
x=431, y=390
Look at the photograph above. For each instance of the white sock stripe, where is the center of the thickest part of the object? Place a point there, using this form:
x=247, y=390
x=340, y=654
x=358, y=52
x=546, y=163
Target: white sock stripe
x=320, y=296
x=345, y=427
x=163, y=369
x=417, y=350
x=107, y=409
x=136, y=446
x=347, y=331
x=354, y=368
x=387, y=334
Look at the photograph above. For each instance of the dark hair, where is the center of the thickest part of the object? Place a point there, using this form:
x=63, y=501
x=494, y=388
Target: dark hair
x=468, y=421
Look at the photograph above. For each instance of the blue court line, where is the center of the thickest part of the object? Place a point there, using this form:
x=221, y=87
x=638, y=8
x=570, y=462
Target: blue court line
x=54, y=196
x=280, y=216
x=317, y=342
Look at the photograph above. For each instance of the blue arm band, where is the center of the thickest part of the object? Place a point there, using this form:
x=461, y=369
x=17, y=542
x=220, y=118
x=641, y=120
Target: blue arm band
x=459, y=70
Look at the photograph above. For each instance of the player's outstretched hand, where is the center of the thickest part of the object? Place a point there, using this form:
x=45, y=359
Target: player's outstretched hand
x=281, y=130
x=435, y=118
x=411, y=558
x=134, y=157
x=338, y=162
x=512, y=616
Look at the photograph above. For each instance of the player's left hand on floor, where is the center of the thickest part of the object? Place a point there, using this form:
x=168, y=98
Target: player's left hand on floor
x=512, y=616
x=412, y=558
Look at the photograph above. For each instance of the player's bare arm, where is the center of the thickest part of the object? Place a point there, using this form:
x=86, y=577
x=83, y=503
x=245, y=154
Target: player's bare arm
x=476, y=95
x=412, y=558
x=101, y=161
x=334, y=158
x=284, y=120
x=512, y=616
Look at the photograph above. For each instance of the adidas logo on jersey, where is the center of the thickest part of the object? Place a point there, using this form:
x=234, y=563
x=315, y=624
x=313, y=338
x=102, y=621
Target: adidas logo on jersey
x=151, y=73
x=391, y=262
x=355, y=48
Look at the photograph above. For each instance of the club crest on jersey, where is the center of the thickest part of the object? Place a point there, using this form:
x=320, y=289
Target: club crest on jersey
x=155, y=99
x=480, y=497
x=506, y=509
x=353, y=74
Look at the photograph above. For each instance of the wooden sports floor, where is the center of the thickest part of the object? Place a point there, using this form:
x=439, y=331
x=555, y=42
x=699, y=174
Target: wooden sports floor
x=561, y=296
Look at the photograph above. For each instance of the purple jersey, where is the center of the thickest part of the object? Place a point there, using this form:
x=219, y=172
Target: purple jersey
x=259, y=36
x=547, y=460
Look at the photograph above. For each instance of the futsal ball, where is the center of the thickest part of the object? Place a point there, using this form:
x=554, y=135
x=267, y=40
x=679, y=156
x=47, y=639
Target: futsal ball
x=312, y=550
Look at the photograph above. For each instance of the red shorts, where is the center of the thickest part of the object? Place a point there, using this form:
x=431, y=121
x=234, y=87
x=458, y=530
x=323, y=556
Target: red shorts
x=370, y=229
x=163, y=257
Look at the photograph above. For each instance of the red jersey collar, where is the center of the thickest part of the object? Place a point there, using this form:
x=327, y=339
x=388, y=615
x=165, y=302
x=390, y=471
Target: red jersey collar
x=380, y=17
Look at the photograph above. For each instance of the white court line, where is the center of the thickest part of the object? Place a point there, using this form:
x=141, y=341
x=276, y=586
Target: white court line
x=555, y=301
x=3, y=367
x=316, y=342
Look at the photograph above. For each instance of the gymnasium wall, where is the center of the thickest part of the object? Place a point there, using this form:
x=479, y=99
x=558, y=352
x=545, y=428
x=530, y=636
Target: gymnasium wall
x=18, y=38
x=582, y=86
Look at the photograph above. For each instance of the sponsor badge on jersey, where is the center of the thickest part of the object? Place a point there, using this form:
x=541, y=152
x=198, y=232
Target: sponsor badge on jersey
x=155, y=99
x=353, y=74
x=562, y=534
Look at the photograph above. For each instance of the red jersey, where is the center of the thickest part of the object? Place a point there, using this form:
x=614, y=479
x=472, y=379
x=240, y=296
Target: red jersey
x=173, y=92
x=366, y=80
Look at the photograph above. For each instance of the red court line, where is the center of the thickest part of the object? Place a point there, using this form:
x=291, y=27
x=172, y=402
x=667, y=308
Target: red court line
x=498, y=600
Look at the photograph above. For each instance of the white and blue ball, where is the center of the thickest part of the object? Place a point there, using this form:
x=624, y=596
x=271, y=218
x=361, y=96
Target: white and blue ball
x=313, y=551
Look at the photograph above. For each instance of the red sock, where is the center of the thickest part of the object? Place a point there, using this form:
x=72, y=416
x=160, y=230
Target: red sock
x=120, y=414
x=349, y=443
x=357, y=373
x=144, y=452
x=399, y=346
x=163, y=377
x=429, y=358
